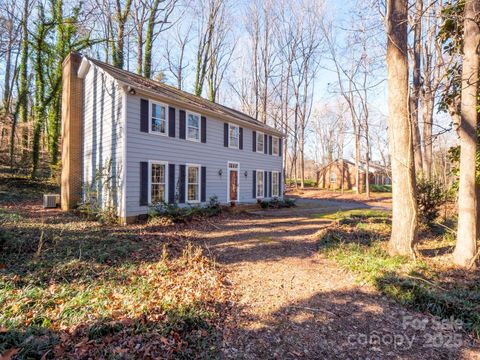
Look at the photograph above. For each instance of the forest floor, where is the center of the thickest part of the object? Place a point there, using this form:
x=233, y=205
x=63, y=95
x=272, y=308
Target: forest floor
x=245, y=285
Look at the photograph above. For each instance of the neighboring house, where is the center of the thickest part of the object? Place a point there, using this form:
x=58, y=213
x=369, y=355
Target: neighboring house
x=341, y=174
x=131, y=142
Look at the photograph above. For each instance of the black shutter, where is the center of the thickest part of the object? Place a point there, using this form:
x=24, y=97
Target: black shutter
x=270, y=144
x=265, y=143
x=225, y=134
x=265, y=184
x=171, y=122
x=143, y=183
x=280, y=146
x=182, y=124
x=204, y=130
x=279, y=183
x=240, y=141
x=203, y=191
x=181, y=184
x=171, y=183
x=270, y=182
x=254, y=141
x=143, y=115
x=254, y=186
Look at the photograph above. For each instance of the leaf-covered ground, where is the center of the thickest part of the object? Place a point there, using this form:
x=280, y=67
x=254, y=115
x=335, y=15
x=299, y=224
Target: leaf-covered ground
x=71, y=288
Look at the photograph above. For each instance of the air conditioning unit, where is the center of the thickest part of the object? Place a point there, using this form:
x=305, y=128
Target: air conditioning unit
x=51, y=200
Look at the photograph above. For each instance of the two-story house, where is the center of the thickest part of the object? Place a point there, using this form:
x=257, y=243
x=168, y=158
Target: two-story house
x=132, y=142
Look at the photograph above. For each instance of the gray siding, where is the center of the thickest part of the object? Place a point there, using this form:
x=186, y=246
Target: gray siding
x=213, y=155
x=103, y=142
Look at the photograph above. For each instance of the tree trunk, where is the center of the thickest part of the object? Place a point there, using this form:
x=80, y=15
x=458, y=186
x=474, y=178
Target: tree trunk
x=147, y=70
x=417, y=38
x=427, y=136
x=404, y=206
x=466, y=246
x=23, y=86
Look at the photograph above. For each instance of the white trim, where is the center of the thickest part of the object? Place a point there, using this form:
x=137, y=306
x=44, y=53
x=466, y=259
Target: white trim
x=238, y=141
x=263, y=142
x=160, y=162
x=278, y=145
x=256, y=184
x=228, y=180
x=199, y=126
x=123, y=211
x=199, y=167
x=150, y=131
x=276, y=187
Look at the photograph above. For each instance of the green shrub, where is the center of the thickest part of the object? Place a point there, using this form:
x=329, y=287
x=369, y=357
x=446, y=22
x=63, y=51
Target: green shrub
x=430, y=196
x=186, y=213
x=381, y=188
x=277, y=203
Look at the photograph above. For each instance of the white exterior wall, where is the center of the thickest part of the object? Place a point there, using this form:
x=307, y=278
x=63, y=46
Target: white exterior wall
x=103, y=137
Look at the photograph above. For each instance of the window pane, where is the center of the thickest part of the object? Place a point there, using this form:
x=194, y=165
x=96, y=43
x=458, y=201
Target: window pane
x=158, y=192
x=259, y=183
x=193, y=120
x=192, y=175
x=192, y=192
x=193, y=133
x=162, y=125
x=158, y=173
x=259, y=142
x=162, y=115
x=234, y=136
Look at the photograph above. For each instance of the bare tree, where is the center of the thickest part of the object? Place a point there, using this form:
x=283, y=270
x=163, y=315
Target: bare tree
x=466, y=246
x=404, y=206
x=176, y=54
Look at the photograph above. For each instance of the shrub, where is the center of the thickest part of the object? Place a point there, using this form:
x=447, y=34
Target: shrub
x=277, y=203
x=381, y=188
x=186, y=213
x=430, y=196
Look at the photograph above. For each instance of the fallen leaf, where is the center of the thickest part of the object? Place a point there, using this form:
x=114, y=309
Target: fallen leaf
x=7, y=355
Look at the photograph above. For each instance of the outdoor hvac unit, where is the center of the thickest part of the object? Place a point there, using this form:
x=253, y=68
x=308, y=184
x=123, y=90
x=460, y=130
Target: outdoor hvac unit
x=51, y=200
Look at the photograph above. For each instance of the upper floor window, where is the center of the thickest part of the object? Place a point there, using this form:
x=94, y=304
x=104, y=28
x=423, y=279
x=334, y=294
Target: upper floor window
x=157, y=182
x=233, y=136
x=158, y=118
x=193, y=127
x=260, y=143
x=276, y=148
x=193, y=183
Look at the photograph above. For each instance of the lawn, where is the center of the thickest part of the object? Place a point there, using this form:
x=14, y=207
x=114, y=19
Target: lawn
x=358, y=243
x=76, y=288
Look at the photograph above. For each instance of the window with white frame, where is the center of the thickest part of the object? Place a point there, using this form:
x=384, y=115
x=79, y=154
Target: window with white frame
x=260, y=144
x=276, y=142
x=157, y=182
x=233, y=136
x=333, y=177
x=158, y=118
x=275, y=184
x=193, y=127
x=193, y=183
x=260, y=179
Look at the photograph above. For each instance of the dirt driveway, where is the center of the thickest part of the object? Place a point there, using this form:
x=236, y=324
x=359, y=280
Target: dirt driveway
x=294, y=303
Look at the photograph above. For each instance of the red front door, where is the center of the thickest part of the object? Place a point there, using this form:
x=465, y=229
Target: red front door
x=233, y=185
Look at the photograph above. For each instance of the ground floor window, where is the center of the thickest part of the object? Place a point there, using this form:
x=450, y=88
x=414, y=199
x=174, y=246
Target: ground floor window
x=157, y=181
x=260, y=179
x=275, y=184
x=193, y=183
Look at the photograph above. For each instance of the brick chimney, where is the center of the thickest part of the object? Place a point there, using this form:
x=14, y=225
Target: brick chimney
x=72, y=86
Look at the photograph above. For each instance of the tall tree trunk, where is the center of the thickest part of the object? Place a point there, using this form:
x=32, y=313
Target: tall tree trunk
x=147, y=67
x=427, y=136
x=23, y=85
x=417, y=38
x=404, y=205
x=466, y=246
x=140, y=53
x=121, y=16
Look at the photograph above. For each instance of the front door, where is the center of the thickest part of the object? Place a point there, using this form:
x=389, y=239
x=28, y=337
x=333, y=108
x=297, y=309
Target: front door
x=233, y=181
